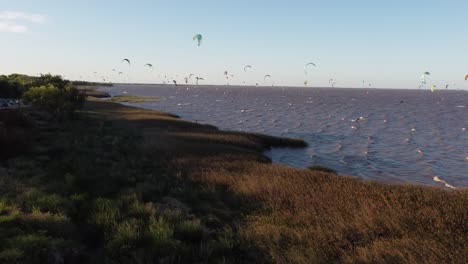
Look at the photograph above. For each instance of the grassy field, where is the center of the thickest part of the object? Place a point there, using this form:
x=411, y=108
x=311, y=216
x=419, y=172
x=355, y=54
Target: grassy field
x=127, y=185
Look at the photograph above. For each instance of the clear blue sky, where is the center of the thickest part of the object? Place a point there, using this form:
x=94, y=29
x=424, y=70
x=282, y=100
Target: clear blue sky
x=386, y=43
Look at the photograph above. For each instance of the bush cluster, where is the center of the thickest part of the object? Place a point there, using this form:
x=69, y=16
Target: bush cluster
x=57, y=99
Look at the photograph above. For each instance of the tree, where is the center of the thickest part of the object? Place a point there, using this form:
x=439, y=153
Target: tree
x=60, y=102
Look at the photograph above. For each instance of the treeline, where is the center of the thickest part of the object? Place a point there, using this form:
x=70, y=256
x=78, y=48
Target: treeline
x=14, y=85
x=49, y=93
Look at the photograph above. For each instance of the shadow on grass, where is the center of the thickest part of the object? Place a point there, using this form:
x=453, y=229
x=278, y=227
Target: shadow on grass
x=103, y=188
x=128, y=185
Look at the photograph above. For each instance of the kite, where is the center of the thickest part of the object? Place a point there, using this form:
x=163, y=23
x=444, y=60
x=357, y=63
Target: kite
x=198, y=38
x=126, y=60
x=150, y=66
x=199, y=79
x=307, y=65
x=423, y=77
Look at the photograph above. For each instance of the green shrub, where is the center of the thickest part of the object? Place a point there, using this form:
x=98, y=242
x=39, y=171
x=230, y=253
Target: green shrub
x=49, y=79
x=41, y=201
x=173, y=217
x=159, y=231
x=105, y=214
x=11, y=255
x=32, y=248
x=10, y=88
x=59, y=102
x=190, y=230
x=124, y=239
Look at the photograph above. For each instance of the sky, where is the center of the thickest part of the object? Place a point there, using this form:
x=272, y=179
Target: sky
x=386, y=44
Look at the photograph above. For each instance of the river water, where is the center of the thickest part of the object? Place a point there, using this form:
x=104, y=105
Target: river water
x=383, y=134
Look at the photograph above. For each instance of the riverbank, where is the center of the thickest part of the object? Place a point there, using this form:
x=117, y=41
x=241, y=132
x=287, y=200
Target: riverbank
x=130, y=185
x=386, y=144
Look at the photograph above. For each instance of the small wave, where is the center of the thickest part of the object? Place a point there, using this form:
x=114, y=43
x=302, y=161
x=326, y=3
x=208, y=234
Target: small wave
x=184, y=104
x=437, y=179
x=298, y=125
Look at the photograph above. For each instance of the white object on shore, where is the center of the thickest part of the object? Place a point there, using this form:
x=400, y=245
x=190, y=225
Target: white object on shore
x=437, y=179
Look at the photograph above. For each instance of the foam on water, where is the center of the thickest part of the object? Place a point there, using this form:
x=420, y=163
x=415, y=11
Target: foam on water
x=389, y=135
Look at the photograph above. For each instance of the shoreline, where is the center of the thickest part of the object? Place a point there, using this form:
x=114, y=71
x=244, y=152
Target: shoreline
x=299, y=158
x=123, y=184
x=253, y=176
x=276, y=141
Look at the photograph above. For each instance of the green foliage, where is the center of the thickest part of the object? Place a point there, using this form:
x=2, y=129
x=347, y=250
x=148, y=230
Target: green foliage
x=41, y=201
x=54, y=80
x=105, y=214
x=32, y=248
x=10, y=88
x=60, y=101
x=190, y=230
x=11, y=255
x=21, y=79
x=159, y=231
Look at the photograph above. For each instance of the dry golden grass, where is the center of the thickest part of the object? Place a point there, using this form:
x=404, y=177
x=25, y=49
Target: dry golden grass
x=307, y=216
x=304, y=216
